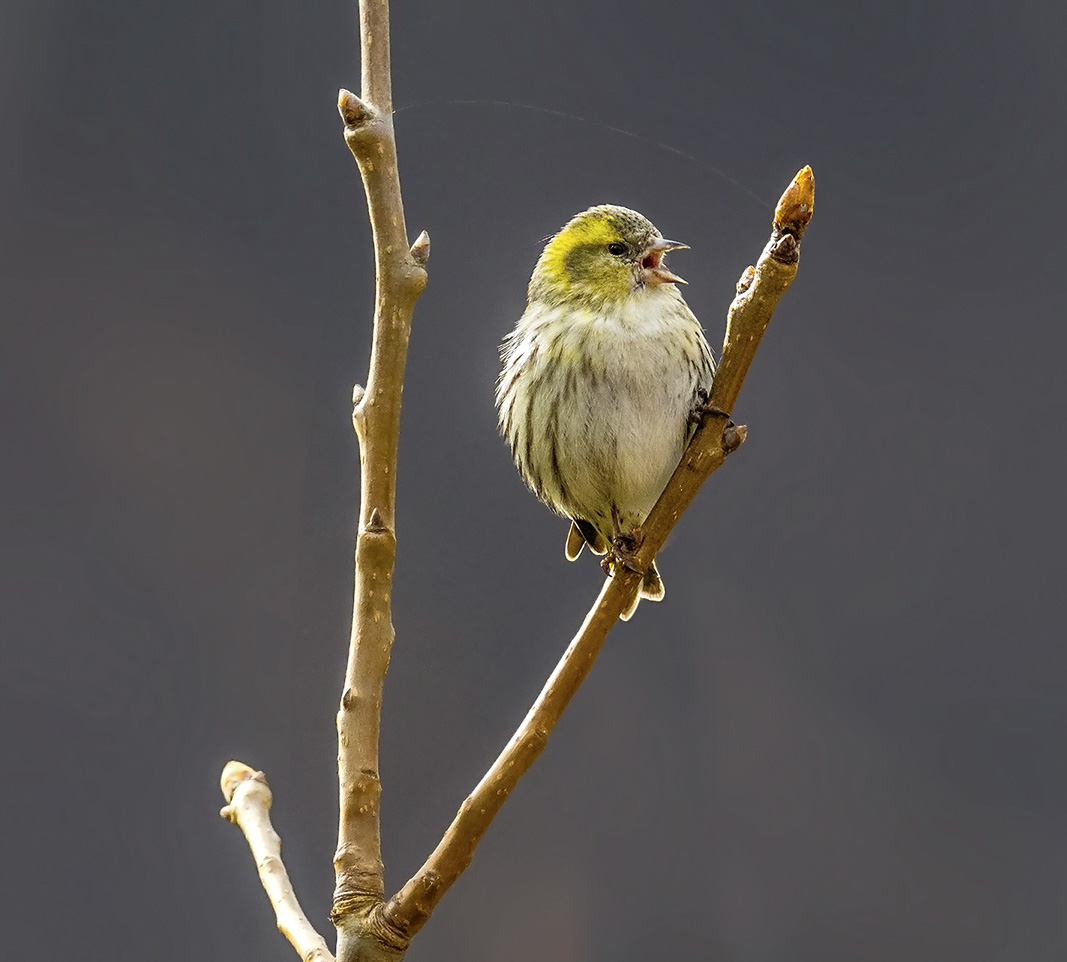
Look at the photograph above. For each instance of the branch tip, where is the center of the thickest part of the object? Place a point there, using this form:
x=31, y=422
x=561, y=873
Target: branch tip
x=420, y=250
x=250, y=799
x=797, y=204
x=354, y=112
x=233, y=774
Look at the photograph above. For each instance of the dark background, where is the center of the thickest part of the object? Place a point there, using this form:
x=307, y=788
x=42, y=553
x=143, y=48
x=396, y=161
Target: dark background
x=840, y=738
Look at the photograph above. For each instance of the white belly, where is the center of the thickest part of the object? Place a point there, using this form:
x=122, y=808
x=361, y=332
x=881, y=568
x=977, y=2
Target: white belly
x=608, y=421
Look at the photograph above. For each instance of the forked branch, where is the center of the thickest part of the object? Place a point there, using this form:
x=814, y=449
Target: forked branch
x=369, y=930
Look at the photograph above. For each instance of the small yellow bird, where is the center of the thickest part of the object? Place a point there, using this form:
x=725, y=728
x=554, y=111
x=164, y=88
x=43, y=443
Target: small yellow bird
x=601, y=377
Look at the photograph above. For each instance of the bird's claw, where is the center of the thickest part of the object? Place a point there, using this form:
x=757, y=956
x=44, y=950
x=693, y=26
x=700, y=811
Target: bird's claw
x=623, y=549
x=702, y=407
x=624, y=546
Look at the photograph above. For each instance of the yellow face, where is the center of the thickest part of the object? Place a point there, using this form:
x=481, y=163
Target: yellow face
x=602, y=255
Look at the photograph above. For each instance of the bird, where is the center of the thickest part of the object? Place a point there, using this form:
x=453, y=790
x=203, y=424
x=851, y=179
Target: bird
x=602, y=380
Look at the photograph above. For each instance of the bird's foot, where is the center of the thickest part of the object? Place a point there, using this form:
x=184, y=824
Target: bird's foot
x=624, y=546
x=623, y=549
x=702, y=407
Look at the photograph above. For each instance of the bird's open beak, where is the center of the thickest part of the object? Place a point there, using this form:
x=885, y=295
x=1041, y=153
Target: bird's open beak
x=651, y=261
x=662, y=245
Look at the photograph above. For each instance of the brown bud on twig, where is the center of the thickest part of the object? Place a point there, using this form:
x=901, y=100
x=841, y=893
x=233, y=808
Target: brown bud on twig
x=354, y=112
x=795, y=208
x=786, y=249
x=420, y=250
x=733, y=437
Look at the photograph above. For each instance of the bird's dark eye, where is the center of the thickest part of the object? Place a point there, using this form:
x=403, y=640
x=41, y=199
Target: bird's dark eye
x=617, y=249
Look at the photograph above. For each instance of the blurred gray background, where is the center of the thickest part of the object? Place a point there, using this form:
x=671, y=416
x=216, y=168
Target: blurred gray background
x=840, y=737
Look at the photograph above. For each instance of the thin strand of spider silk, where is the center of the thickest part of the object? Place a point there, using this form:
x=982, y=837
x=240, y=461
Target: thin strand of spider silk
x=551, y=112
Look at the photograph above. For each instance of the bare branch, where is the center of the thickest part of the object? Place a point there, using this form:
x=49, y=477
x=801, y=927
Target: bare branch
x=401, y=276
x=248, y=798
x=750, y=313
x=760, y=287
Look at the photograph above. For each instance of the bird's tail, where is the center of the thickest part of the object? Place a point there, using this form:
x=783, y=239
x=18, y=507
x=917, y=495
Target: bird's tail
x=582, y=533
x=651, y=588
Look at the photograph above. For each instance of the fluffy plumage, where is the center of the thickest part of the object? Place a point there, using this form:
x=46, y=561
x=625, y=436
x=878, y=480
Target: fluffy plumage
x=600, y=376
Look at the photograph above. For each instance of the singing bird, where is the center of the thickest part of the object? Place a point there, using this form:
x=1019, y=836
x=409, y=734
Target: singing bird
x=600, y=379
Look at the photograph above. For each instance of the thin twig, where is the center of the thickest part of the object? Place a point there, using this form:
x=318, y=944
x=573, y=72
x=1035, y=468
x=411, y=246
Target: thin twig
x=401, y=277
x=248, y=798
x=758, y=292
